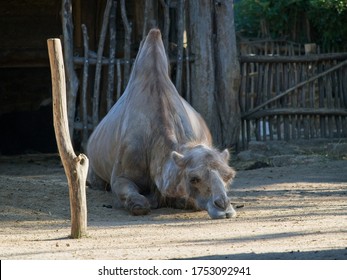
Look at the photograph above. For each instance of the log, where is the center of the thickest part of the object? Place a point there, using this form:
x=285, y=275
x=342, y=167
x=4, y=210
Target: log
x=76, y=167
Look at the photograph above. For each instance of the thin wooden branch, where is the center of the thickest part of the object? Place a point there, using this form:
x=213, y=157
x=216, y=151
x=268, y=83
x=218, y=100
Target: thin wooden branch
x=180, y=30
x=85, y=86
x=72, y=80
x=166, y=7
x=119, y=80
x=110, y=83
x=145, y=19
x=127, y=42
x=76, y=167
x=99, y=63
x=188, y=93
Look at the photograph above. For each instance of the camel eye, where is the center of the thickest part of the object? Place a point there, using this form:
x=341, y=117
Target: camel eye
x=195, y=180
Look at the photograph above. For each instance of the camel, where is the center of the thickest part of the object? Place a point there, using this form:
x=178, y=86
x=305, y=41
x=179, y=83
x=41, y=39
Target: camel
x=154, y=149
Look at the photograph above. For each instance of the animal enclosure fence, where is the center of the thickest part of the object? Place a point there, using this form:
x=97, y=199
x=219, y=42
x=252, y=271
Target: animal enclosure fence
x=283, y=94
x=104, y=72
x=270, y=47
x=293, y=97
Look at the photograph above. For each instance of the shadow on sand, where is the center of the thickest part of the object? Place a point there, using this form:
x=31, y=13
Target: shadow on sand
x=336, y=254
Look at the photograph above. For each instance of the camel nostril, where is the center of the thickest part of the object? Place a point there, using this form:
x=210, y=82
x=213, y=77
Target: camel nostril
x=221, y=203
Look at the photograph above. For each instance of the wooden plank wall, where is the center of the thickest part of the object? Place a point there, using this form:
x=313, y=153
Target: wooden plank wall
x=316, y=110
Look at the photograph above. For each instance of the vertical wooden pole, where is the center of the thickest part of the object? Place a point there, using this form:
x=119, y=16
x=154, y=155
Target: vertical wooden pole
x=72, y=80
x=203, y=69
x=166, y=8
x=127, y=42
x=84, y=86
x=227, y=73
x=112, y=55
x=119, y=79
x=96, y=93
x=76, y=167
x=145, y=19
x=180, y=31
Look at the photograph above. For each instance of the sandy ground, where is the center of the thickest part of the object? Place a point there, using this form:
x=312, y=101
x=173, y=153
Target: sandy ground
x=292, y=212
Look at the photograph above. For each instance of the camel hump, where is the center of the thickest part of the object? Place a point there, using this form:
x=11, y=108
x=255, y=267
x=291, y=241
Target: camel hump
x=154, y=34
x=151, y=60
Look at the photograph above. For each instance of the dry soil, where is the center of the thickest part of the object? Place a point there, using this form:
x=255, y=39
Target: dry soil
x=290, y=212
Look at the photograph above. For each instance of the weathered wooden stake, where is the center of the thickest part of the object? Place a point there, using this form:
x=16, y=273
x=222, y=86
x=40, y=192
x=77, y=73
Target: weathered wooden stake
x=76, y=167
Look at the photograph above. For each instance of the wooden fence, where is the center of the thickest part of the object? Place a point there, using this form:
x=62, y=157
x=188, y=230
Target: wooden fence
x=293, y=97
x=283, y=94
x=96, y=78
x=270, y=47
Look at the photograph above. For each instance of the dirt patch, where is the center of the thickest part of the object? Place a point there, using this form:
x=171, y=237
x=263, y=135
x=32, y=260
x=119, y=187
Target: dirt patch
x=289, y=212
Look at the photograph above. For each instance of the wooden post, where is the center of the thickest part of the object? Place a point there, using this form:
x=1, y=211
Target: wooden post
x=84, y=87
x=96, y=93
x=203, y=69
x=166, y=29
x=227, y=73
x=72, y=80
x=310, y=48
x=112, y=55
x=180, y=38
x=76, y=167
x=127, y=42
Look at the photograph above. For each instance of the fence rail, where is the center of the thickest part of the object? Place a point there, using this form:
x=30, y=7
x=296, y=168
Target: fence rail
x=293, y=97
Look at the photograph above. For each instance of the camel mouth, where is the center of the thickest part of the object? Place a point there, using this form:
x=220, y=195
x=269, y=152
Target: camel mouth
x=217, y=213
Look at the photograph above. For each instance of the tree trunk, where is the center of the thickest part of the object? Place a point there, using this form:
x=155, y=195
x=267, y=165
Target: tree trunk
x=227, y=73
x=76, y=167
x=215, y=72
x=202, y=69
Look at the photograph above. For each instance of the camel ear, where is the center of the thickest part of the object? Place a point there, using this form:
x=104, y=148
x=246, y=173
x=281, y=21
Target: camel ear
x=225, y=155
x=178, y=158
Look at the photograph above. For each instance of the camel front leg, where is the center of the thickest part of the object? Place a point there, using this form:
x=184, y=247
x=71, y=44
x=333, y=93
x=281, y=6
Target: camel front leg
x=128, y=194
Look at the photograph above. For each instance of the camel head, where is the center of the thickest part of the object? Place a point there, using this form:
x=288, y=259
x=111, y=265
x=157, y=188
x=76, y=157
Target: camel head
x=205, y=177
